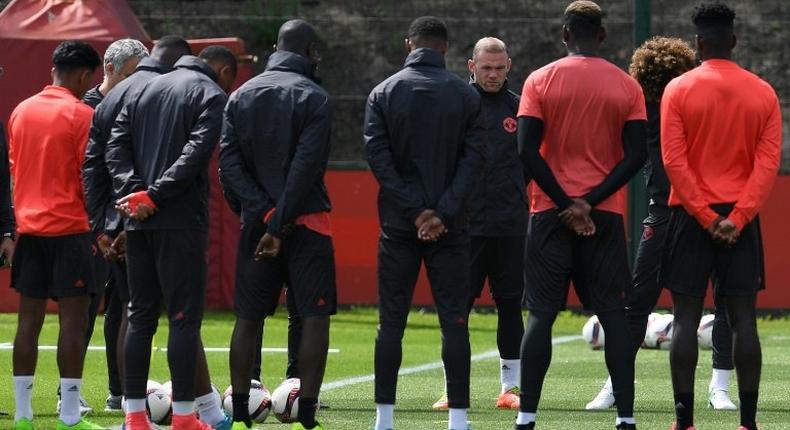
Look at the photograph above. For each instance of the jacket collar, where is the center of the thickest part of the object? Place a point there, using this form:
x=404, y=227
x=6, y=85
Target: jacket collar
x=285, y=61
x=152, y=65
x=194, y=63
x=425, y=57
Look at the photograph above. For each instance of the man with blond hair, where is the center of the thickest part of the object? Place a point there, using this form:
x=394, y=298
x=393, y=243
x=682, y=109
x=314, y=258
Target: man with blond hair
x=498, y=208
x=581, y=137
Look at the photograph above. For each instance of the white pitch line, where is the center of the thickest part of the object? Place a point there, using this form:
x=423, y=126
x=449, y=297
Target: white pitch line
x=9, y=346
x=334, y=385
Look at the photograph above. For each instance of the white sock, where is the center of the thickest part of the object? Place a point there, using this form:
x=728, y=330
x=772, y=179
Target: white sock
x=720, y=380
x=134, y=405
x=23, y=392
x=608, y=385
x=457, y=419
x=209, y=410
x=509, y=373
x=183, y=408
x=627, y=420
x=525, y=418
x=384, y=416
x=70, y=400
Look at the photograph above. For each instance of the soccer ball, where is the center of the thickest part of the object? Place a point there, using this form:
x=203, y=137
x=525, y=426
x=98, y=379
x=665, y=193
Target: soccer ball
x=285, y=400
x=157, y=403
x=260, y=401
x=705, y=332
x=592, y=332
x=650, y=319
x=659, y=332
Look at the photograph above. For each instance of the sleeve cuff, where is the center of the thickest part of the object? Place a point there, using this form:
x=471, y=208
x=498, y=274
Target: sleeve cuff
x=739, y=218
x=706, y=217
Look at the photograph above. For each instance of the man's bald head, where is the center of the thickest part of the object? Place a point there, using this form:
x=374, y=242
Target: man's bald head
x=491, y=45
x=169, y=49
x=297, y=36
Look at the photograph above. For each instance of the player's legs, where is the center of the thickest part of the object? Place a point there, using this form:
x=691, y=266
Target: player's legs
x=747, y=354
x=294, y=337
x=686, y=265
x=641, y=295
x=507, y=289
x=181, y=267
x=73, y=321
x=30, y=277
x=399, y=258
x=683, y=355
x=548, y=261
x=450, y=289
x=718, y=389
x=145, y=307
x=482, y=258
x=600, y=277
x=257, y=290
x=311, y=272
x=644, y=291
x=30, y=319
x=113, y=317
x=739, y=275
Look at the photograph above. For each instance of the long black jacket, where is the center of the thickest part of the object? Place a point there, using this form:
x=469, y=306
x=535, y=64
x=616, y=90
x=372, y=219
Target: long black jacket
x=275, y=144
x=425, y=142
x=499, y=202
x=162, y=143
x=96, y=179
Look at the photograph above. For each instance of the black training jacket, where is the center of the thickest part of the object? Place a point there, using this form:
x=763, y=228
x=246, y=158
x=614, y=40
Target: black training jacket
x=7, y=220
x=498, y=204
x=162, y=142
x=275, y=144
x=96, y=179
x=655, y=175
x=425, y=142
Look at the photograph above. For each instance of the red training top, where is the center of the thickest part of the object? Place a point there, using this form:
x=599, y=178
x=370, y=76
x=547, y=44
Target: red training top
x=721, y=132
x=48, y=134
x=584, y=103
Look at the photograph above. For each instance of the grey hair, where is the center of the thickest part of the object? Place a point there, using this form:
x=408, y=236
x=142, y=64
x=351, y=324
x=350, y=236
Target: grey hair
x=122, y=50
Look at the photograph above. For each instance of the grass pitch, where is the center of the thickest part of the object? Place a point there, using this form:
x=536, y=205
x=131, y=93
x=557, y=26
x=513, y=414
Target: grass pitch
x=574, y=378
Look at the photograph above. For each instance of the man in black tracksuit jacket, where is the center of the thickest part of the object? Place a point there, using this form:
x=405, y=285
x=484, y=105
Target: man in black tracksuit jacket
x=424, y=138
x=273, y=156
x=158, y=155
x=498, y=209
x=106, y=222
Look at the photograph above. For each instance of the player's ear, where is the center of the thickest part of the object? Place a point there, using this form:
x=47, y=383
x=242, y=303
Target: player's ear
x=566, y=35
x=602, y=34
x=470, y=64
x=509, y=64
x=734, y=42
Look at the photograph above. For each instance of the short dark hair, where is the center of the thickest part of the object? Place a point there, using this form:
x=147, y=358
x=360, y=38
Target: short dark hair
x=219, y=54
x=72, y=55
x=714, y=16
x=583, y=19
x=170, y=48
x=428, y=29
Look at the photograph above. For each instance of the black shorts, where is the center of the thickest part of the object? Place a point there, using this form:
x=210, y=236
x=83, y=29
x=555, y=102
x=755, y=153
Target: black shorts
x=691, y=258
x=55, y=266
x=166, y=268
x=500, y=260
x=306, y=265
x=555, y=256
